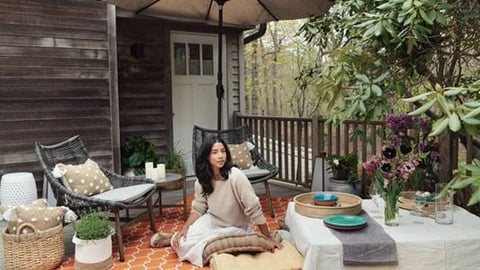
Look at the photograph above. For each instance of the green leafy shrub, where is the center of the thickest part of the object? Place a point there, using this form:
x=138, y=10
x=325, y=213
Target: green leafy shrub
x=92, y=226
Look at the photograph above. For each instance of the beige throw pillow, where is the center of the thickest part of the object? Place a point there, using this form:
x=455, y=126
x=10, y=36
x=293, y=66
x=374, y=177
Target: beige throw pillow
x=241, y=155
x=287, y=258
x=85, y=179
x=42, y=218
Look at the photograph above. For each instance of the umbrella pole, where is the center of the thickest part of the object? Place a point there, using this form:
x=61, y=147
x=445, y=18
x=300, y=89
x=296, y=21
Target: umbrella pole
x=220, y=89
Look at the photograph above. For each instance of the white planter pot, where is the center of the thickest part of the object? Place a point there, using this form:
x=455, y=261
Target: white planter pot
x=92, y=251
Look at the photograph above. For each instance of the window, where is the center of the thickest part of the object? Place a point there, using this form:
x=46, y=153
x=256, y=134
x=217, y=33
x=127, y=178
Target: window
x=199, y=61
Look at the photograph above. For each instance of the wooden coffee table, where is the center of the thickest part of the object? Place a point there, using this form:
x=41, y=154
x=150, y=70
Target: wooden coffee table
x=172, y=181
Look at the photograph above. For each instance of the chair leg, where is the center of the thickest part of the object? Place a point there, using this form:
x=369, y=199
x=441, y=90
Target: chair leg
x=118, y=230
x=184, y=198
x=269, y=199
x=150, y=211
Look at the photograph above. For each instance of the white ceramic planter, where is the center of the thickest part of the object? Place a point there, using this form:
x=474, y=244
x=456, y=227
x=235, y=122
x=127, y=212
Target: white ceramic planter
x=92, y=251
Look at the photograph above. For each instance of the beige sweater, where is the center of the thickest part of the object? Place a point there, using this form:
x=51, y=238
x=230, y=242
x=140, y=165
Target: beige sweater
x=232, y=203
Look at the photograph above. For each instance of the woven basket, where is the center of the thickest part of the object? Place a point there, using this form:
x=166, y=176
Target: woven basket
x=405, y=201
x=38, y=250
x=347, y=204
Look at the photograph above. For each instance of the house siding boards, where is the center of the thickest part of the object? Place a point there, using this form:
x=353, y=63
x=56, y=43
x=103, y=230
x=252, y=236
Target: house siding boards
x=144, y=82
x=54, y=79
x=57, y=79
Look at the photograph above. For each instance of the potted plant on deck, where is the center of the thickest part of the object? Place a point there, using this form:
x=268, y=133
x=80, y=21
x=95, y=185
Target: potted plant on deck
x=135, y=152
x=343, y=169
x=93, y=242
x=174, y=163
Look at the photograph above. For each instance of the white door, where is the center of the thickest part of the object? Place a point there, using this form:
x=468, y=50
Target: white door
x=194, y=78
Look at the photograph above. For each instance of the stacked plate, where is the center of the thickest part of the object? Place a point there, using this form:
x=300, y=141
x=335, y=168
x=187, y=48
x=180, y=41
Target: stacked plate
x=345, y=222
x=325, y=199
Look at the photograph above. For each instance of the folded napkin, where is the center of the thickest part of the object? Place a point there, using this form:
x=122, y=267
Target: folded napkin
x=368, y=246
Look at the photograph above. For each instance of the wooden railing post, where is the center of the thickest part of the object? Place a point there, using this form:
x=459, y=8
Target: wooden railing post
x=315, y=135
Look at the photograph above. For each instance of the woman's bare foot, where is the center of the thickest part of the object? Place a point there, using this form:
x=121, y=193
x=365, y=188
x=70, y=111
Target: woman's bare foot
x=160, y=240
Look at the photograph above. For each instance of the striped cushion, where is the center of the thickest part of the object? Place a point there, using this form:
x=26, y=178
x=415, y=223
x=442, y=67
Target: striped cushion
x=251, y=243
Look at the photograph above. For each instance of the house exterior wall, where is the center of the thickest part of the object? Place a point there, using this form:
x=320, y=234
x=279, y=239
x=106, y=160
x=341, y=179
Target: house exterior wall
x=145, y=85
x=58, y=78
x=54, y=79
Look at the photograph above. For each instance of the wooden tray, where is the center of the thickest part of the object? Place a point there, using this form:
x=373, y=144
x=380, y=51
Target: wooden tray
x=347, y=204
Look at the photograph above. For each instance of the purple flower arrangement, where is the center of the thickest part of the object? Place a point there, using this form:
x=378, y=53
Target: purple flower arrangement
x=405, y=151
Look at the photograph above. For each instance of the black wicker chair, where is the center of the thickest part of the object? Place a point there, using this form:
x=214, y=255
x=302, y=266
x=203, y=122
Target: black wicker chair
x=237, y=136
x=73, y=151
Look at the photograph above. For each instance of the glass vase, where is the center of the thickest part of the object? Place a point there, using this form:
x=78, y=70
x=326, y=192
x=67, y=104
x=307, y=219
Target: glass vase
x=391, y=213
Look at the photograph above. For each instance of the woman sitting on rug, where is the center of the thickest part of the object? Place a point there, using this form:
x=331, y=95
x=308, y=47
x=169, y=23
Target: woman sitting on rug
x=225, y=204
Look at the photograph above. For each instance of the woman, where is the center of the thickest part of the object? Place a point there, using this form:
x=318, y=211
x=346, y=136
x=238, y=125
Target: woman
x=225, y=204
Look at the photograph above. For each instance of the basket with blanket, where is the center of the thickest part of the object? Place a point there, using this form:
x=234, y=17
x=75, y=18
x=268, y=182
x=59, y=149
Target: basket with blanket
x=33, y=237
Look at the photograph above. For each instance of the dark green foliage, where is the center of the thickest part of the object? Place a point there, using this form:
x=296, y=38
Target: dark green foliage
x=135, y=152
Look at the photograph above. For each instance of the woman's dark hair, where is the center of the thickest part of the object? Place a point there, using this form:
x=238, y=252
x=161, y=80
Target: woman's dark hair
x=203, y=169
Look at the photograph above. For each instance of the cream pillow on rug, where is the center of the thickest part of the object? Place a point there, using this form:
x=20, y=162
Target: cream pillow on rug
x=287, y=258
x=240, y=155
x=84, y=179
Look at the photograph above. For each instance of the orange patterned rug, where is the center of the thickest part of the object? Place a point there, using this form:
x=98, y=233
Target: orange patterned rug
x=136, y=236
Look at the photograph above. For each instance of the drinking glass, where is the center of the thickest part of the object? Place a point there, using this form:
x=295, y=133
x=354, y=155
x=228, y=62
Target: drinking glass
x=443, y=206
x=419, y=204
x=375, y=196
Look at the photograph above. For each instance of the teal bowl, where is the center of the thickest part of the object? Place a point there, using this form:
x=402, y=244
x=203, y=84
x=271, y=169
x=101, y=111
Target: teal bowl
x=325, y=199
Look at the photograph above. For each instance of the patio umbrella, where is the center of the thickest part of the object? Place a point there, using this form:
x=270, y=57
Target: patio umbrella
x=236, y=13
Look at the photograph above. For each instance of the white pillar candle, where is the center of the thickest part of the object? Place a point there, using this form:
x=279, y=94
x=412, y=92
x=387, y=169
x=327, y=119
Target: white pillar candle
x=148, y=169
x=155, y=174
x=161, y=170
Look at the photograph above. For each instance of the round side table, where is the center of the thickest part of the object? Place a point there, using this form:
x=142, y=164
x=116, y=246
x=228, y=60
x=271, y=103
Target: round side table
x=172, y=181
x=18, y=188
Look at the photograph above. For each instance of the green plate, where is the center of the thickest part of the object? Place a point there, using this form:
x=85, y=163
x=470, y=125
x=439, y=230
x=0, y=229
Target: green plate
x=345, y=221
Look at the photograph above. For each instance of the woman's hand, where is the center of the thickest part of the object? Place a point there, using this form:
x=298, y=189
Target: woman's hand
x=273, y=244
x=178, y=236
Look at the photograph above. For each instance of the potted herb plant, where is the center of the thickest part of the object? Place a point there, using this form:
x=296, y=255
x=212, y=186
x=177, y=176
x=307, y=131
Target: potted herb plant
x=135, y=152
x=174, y=163
x=93, y=242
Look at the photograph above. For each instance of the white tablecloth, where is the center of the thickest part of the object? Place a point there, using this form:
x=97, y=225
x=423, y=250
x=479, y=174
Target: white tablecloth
x=419, y=246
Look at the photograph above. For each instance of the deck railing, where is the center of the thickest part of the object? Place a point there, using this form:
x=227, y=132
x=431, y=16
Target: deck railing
x=293, y=143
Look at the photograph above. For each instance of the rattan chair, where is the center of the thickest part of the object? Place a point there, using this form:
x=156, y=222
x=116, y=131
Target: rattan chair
x=238, y=136
x=73, y=151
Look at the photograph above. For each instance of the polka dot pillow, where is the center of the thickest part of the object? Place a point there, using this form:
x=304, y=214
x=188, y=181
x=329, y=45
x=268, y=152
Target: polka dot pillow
x=85, y=179
x=41, y=218
x=240, y=155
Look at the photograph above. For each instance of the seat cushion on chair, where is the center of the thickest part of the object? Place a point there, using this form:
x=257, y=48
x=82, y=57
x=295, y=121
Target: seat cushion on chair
x=125, y=194
x=85, y=179
x=241, y=155
x=255, y=172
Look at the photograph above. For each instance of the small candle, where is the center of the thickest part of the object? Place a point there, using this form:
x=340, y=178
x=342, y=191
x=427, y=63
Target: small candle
x=161, y=170
x=155, y=175
x=149, y=170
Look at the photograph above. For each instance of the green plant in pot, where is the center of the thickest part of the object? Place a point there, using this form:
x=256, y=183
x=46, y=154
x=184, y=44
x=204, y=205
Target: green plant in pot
x=174, y=161
x=343, y=167
x=135, y=152
x=93, y=242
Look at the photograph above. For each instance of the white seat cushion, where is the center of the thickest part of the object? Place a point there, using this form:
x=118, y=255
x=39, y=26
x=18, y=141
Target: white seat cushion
x=254, y=172
x=125, y=194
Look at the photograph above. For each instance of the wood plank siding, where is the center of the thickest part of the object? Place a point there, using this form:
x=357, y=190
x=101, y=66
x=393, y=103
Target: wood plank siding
x=54, y=79
x=59, y=65
x=144, y=81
